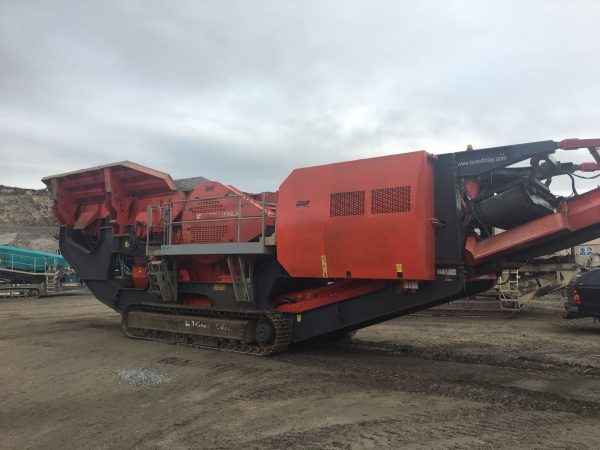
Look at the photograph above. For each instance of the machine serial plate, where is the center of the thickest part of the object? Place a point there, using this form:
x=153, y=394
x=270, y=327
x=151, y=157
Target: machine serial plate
x=447, y=272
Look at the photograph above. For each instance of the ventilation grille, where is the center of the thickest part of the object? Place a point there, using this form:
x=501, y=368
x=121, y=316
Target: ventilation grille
x=347, y=203
x=208, y=234
x=390, y=200
x=207, y=206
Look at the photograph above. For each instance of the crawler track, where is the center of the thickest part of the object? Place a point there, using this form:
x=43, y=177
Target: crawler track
x=8, y=291
x=281, y=323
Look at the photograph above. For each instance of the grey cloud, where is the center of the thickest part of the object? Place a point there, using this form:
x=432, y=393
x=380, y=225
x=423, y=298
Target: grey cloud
x=243, y=92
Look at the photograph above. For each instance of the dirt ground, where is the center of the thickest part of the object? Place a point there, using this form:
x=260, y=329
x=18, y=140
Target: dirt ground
x=532, y=381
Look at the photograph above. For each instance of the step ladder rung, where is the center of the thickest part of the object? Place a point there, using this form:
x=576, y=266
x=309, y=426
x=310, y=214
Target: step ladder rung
x=160, y=282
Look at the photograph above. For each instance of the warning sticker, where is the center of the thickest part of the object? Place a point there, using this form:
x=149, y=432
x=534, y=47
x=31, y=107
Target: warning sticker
x=324, y=265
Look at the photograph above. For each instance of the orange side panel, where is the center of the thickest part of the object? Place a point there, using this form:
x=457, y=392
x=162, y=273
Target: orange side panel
x=210, y=215
x=119, y=191
x=331, y=293
x=368, y=218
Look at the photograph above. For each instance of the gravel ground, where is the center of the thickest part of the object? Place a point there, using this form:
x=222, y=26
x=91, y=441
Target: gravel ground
x=70, y=379
x=142, y=377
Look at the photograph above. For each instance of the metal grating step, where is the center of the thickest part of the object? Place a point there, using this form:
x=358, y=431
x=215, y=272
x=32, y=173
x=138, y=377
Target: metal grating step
x=160, y=282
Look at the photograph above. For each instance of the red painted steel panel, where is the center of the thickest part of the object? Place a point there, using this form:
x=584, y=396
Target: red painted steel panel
x=210, y=215
x=331, y=293
x=368, y=218
x=121, y=191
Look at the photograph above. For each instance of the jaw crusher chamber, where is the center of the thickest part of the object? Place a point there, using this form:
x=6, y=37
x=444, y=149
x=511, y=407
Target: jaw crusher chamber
x=338, y=247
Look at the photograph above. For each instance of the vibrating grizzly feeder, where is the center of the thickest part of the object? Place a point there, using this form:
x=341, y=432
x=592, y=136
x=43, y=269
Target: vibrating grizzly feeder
x=337, y=248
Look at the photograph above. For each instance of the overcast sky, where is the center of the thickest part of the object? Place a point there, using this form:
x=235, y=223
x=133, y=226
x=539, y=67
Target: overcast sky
x=244, y=91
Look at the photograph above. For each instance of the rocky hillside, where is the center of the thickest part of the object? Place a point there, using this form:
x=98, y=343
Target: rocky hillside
x=25, y=207
x=26, y=219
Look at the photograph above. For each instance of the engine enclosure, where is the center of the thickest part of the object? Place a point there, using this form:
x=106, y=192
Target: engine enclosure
x=368, y=218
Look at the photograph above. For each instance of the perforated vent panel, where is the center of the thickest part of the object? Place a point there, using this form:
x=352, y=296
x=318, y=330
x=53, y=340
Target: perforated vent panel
x=206, y=206
x=347, y=203
x=390, y=200
x=207, y=234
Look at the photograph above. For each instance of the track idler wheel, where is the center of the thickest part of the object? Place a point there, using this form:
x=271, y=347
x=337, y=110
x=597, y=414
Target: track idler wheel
x=264, y=333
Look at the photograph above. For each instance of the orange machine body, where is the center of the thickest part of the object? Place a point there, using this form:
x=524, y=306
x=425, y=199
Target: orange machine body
x=369, y=218
x=213, y=211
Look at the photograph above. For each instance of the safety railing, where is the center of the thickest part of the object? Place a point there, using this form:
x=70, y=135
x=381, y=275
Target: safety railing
x=162, y=216
x=28, y=264
x=168, y=225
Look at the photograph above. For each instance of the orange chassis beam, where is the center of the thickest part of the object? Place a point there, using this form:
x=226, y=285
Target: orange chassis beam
x=335, y=292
